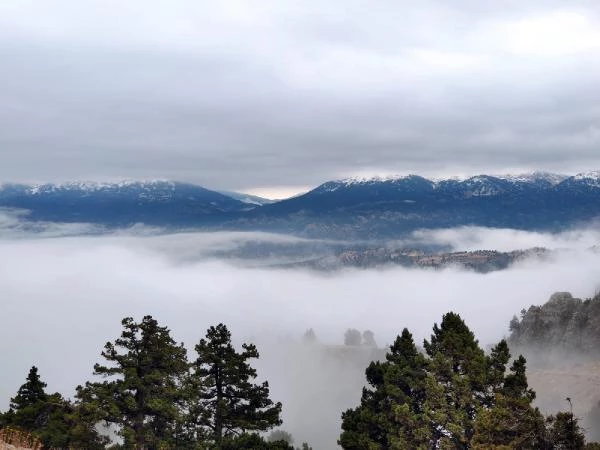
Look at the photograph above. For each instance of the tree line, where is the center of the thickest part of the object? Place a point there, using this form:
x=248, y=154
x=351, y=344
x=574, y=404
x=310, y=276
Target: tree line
x=453, y=396
x=450, y=395
x=155, y=398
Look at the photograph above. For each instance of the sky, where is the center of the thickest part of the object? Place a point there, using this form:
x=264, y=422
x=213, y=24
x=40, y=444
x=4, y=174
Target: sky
x=63, y=297
x=272, y=97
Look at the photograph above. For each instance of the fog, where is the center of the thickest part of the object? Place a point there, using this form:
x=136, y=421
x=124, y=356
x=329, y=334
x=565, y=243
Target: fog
x=63, y=297
x=478, y=238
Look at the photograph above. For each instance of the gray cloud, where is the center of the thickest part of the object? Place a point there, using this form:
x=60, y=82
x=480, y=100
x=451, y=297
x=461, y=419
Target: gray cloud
x=281, y=93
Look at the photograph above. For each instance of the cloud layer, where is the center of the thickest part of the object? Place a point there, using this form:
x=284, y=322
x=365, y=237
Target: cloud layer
x=292, y=94
x=63, y=298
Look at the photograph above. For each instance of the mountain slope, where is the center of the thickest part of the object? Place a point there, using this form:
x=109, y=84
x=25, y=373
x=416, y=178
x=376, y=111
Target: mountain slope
x=116, y=204
x=345, y=209
x=381, y=208
x=252, y=200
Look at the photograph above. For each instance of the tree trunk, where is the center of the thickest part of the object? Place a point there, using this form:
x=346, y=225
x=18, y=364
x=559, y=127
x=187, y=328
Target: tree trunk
x=219, y=408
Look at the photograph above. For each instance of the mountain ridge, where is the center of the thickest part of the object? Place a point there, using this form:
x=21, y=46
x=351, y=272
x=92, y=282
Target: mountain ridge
x=359, y=207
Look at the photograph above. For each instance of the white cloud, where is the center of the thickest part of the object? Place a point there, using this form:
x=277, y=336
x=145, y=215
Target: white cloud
x=506, y=240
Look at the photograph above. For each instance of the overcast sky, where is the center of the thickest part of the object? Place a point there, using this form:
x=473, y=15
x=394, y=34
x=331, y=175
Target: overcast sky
x=274, y=96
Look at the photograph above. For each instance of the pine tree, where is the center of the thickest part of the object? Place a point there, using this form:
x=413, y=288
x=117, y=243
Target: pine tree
x=251, y=441
x=565, y=432
x=29, y=393
x=227, y=402
x=388, y=416
x=141, y=391
x=451, y=397
x=55, y=421
x=459, y=366
x=28, y=406
x=510, y=421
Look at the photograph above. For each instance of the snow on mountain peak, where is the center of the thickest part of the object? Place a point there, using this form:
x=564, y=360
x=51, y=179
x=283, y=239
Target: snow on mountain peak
x=373, y=179
x=591, y=178
x=591, y=175
x=94, y=186
x=549, y=177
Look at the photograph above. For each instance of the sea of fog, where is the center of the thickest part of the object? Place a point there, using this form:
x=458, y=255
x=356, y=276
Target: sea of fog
x=64, y=293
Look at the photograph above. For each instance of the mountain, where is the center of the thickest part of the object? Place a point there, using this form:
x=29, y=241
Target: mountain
x=390, y=207
x=562, y=323
x=354, y=208
x=252, y=200
x=154, y=202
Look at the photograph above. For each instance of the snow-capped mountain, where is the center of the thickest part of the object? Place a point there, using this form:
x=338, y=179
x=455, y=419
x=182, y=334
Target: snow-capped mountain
x=391, y=206
x=475, y=186
x=363, y=208
x=119, y=203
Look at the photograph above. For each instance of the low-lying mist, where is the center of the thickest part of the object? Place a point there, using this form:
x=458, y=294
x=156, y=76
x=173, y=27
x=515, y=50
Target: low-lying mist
x=64, y=297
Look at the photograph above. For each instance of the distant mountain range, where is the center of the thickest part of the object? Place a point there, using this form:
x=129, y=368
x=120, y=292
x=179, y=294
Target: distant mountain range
x=352, y=208
x=159, y=202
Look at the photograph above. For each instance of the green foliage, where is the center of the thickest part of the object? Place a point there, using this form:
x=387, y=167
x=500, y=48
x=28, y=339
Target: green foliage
x=56, y=422
x=154, y=399
x=565, y=432
x=451, y=397
x=397, y=391
x=30, y=393
x=225, y=401
x=250, y=442
x=510, y=423
x=141, y=391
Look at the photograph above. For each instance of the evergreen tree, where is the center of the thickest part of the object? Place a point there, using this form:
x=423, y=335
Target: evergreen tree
x=565, y=432
x=451, y=397
x=460, y=369
x=31, y=392
x=142, y=387
x=27, y=408
x=389, y=409
x=497, y=361
x=250, y=441
x=368, y=338
x=352, y=337
x=226, y=402
x=511, y=422
x=56, y=422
